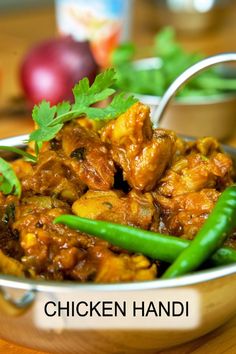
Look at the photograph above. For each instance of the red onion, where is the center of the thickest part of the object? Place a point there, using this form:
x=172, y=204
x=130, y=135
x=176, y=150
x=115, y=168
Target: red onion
x=51, y=69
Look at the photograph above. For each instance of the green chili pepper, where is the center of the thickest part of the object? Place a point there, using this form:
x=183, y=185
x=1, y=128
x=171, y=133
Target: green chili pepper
x=210, y=237
x=154, y=245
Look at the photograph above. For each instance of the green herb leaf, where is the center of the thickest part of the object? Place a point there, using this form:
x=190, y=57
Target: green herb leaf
x=45, y=133
x=125, y=52
x=165, y=45
x=86, y=95
x=51, y=119
x=44, y=115
x=63, y=108
x=9, y=182
x=119, y=105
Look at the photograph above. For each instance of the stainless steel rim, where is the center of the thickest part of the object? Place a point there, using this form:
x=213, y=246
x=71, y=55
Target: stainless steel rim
x=66, y=286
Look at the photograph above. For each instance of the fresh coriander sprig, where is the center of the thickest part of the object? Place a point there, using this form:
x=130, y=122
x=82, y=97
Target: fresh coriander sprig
x=50, y=120
x=9, y=182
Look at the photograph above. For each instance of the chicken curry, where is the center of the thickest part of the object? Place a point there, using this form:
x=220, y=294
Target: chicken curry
x=123, y=171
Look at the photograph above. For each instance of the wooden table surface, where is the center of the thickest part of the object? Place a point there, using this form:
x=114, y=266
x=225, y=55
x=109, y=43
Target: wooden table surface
x=18, y=31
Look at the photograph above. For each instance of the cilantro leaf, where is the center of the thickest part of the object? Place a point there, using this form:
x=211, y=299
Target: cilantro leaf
x=50, y=120
x=63, y=108
x=86, y=95
x=123, y=54
x=9, y=182
x=119, y=105
x=44, y=115
x=45, y=133
x=165, y=45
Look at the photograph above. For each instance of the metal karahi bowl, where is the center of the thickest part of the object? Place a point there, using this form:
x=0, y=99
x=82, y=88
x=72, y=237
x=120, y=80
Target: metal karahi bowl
x=197, y=116
x=19, y=297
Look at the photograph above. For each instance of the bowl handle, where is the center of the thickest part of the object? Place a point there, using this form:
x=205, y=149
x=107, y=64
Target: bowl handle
x=17, y=307
x=183, y=78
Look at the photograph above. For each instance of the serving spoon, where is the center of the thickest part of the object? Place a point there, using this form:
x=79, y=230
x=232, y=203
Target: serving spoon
x=184, y=78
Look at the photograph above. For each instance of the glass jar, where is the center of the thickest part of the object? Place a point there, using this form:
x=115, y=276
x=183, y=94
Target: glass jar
x=104, y=23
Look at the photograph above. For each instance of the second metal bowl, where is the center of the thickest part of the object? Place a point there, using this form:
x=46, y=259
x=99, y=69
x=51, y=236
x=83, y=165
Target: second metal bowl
x=197, y=116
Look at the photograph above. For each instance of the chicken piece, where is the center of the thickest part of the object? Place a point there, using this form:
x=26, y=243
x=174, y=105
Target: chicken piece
x=190, y=188
x=185, y=214
x=52, y=176
x=94, y=203
x=142, y=154
x=74, y=160
x=89, y=157
x=134, y=209
x=22, y=168
x=194, y=172
x=122, y=268
x=205, y=146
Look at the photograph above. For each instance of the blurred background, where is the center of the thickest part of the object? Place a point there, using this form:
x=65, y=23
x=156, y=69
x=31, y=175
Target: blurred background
x=202, y=26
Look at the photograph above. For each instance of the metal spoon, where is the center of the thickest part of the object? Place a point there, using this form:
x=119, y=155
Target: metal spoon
x=184, y=78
